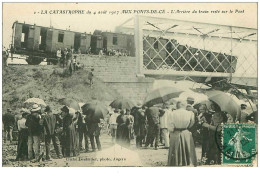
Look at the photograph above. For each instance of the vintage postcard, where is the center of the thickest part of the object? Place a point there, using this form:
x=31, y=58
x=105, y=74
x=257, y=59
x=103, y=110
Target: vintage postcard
x=129, y=84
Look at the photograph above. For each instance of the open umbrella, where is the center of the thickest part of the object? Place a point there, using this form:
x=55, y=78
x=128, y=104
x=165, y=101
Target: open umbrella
x=87, y=105
x=96, y=109
x=198, y=97
x=70, y=103
x=250, y=106
x=122, y=103
x=35, y=101
x=31, y=101
x=225, y=102
x=161, y=95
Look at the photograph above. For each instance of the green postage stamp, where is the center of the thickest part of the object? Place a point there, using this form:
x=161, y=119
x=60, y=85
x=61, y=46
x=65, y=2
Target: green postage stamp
x=239, y=144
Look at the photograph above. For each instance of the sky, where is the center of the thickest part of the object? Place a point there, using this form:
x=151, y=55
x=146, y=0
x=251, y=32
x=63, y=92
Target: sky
x=24, y=12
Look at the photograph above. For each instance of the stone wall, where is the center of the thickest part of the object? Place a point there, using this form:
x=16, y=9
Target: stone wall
x=118, y=73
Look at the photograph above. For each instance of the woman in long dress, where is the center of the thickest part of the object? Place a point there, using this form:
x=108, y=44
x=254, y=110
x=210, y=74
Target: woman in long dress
x=123, y=129
x=69, y=131
x=182, y=148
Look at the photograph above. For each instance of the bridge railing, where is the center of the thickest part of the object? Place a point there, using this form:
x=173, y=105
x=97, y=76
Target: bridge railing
x=185, y=48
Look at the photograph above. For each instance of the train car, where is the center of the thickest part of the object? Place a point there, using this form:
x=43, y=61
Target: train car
x=96, y=42
x=184, y=58
x=124, y=43
x=38, y=42
x=109, y=42
x=154, y=49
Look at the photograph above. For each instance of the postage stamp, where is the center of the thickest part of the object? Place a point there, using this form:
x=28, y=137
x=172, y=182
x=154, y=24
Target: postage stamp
x=239, y=144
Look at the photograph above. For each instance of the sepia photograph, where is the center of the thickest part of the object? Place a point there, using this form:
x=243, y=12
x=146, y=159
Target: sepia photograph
x=129, y=84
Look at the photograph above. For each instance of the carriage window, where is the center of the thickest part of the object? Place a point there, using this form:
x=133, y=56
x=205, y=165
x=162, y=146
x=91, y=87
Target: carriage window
x=114, y=40
x=156, y=44
x=40, y=40
x=60, y=37
x=23, y=37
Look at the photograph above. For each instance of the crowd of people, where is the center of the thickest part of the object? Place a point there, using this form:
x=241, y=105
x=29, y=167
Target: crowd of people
x=65, y=130
x=178, y=128
x=67, y=57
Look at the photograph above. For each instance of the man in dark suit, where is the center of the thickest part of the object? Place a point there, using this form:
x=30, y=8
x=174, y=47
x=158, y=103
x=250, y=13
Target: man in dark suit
x=50, y=124
x=196, y=127
x=9, y=122
x=152, y=114
x=83, y=131
x=34, y=124
x=139, y=124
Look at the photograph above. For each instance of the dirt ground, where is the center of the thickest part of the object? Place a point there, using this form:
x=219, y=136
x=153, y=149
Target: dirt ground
x=149, y=157
x=51, y=83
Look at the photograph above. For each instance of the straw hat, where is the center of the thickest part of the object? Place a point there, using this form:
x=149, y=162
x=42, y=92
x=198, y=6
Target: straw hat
x=35, y=108
x=190, y=99
x=139, y=105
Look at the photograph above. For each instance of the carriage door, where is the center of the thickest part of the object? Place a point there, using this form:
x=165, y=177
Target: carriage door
x=105, y=43
x=129, y=47
x=77, y=41
x=24, y=38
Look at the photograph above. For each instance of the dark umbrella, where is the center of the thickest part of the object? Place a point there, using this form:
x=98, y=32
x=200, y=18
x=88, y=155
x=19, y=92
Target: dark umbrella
x=161, y=95
x=70, y=103
x=96, y=109
x=87, y=105
x=122, y=103
x=225, y=102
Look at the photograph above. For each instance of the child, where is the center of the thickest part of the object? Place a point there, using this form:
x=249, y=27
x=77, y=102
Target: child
x=90, y=77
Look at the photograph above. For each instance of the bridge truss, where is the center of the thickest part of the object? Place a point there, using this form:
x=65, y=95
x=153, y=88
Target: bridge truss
x=176, y=48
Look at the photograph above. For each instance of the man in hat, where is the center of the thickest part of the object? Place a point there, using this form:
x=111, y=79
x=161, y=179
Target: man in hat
x=5, y=56
x=58, y=55
x=190, y=100
x=190, y=103
x=164, y=118
x=83, y=131
x=131, y=121
x=90, y=77
x=9, y=122
x=194, y=129
x=152, y=114
x=68, y=57
x=49, y=125
x=139, y=124
x=113, y=124
x=34, y=125
x=244, y=114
